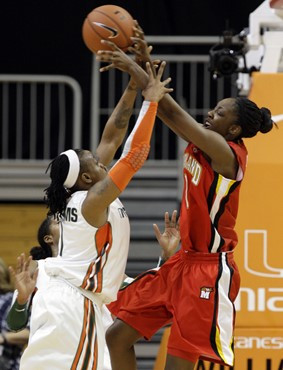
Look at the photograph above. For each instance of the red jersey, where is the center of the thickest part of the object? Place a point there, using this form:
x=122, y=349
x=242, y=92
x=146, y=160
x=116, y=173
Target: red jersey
x=210, y=202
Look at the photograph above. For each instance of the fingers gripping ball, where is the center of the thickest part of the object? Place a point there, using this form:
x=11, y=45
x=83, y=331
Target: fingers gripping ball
x=108, y=22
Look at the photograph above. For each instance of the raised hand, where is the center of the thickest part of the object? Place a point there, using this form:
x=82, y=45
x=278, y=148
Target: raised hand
x=141, y=49
x=170, y=238
x=116, y=57
x=25, y=281
x=155, y=88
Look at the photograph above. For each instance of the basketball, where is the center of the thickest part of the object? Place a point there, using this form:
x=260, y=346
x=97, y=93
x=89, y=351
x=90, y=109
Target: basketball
x=108, y=22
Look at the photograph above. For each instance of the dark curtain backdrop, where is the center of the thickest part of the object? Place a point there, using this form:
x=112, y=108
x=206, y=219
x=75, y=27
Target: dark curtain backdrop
x=44, y=37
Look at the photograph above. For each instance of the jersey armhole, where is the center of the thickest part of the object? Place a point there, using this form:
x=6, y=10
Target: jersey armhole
x=240, y=172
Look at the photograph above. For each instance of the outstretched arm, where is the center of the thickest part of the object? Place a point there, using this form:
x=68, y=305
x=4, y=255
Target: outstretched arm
x=176, y=118
x=18, y=339
x=134, y=154
x=24, y=277
x=117, y=125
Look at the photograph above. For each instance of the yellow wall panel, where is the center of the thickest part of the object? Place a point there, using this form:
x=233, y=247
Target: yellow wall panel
x=259, y=253
x=18, y=229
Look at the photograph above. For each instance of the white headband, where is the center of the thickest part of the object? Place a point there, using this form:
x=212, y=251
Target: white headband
x=74, y=168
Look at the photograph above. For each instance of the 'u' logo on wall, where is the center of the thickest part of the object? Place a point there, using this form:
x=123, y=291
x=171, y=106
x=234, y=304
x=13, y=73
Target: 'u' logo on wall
x=260, y=268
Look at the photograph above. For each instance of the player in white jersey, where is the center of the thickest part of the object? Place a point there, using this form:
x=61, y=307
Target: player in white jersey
x=30, y=277
x=67, y=328
x=27, y=284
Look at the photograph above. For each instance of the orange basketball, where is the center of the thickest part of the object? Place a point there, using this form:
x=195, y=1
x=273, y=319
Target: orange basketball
x=108, y=22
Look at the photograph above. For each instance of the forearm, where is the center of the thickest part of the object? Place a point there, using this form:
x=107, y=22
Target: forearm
x=18, y=316
x=175, y=117
x=20, y=338
x=136, y=148
x=164, y=256
x=135, y=152
x=169, y=111
x=117, y=125
x=138, y=75
x=119, y=119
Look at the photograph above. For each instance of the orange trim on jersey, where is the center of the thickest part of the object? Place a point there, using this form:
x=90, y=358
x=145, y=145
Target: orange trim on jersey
x=85, y=281
x=102, y=238
x=93, y=280
x=95, y=354
x=83, y=335
x=91, y=333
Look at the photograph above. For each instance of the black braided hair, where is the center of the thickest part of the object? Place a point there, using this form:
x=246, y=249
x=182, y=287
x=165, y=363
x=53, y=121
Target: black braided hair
x=38, y=253
x=43, y=250
x=251, y=118
x=56, y=195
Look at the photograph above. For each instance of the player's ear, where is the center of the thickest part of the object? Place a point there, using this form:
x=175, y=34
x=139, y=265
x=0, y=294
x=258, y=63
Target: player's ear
x=86, y=178
x=48, y=239
x=235, y=130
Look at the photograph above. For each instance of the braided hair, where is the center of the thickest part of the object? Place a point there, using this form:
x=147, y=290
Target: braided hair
x=251, y=118
x=56, y=195
x=43, y=250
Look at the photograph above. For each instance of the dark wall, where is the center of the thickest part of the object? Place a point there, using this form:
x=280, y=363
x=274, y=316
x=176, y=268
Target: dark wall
x=44, y=37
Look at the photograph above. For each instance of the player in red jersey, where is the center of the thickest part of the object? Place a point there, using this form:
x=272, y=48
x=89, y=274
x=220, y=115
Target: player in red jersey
x=195, y=289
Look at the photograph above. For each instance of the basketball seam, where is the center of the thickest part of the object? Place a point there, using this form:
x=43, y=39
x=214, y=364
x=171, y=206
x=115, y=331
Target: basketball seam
x=117, y=24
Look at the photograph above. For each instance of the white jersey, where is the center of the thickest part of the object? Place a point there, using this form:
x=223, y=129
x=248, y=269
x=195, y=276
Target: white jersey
x=42, y=278
x=30, y=360
x=89, y=257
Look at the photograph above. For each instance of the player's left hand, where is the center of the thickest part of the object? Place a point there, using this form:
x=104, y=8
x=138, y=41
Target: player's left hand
x=141, y=49
x=156, y=89
x=24, y=281
x=170, y=238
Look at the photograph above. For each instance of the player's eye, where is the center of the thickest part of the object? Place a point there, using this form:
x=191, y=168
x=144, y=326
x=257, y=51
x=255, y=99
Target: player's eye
x=220, y=113
x=95, y=159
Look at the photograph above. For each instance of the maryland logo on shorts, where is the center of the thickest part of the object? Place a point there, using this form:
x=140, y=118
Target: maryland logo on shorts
x=205, y=292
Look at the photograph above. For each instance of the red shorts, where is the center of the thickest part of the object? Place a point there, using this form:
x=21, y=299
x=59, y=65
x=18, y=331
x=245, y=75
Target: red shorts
x=193, y=291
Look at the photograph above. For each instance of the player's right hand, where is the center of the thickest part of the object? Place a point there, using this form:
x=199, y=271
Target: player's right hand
x=140, y=48
x=116, y=57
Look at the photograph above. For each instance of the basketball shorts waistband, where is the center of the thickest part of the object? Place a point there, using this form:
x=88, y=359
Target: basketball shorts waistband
x=196, y=257
x=95, y=298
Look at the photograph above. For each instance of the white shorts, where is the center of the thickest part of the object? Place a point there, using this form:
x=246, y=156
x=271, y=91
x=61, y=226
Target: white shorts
x=66, y=331
x=107, y=321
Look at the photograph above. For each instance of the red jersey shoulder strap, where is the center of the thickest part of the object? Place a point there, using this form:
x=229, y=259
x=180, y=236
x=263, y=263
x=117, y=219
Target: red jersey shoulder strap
x=241, y=154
